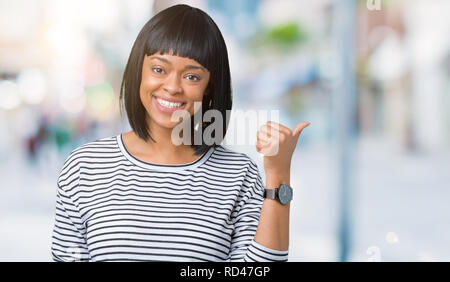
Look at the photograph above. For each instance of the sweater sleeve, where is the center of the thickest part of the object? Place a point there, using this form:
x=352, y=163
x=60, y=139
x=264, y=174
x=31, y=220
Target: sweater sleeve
x=245, y=218
x=68, y=237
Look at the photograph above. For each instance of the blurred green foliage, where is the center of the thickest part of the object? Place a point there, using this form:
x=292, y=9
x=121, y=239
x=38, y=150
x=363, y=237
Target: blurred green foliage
x=288, y=33
x=281, y=37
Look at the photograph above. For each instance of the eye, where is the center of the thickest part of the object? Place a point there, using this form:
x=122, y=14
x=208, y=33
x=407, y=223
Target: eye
x=195, y=78
x=157, y=70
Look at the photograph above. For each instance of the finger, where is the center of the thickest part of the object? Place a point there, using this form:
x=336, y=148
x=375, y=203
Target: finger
x=266, y=130
x=263, y=136
x=261, y=144
x=299, y=128
x=280, y=134
x=267, y=150
x=280, y=127
x=271, y=133
x=276, y=133
x=262, y=147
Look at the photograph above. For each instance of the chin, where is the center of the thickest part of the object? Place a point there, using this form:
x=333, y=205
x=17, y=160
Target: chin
x=163, y=121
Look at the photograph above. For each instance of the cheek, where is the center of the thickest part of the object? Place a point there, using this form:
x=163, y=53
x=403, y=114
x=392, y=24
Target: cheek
x=196, y=93
x=197, y=97
x=148, y=85
x=146, y=89
x=195, y=101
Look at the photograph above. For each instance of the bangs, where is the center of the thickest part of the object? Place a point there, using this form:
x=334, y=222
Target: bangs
x=185, y=34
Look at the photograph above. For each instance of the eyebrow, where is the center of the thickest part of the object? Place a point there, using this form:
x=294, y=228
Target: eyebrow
x=186, y=67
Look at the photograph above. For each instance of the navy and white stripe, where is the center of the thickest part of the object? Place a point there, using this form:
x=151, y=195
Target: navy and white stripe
x=111, y=206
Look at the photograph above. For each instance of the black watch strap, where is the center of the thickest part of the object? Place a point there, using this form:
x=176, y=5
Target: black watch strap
x=270, y=193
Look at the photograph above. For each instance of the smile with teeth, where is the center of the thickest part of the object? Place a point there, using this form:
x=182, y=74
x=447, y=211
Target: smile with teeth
x=168, y=104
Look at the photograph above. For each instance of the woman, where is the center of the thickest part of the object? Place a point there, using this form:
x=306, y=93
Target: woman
x=138, y=196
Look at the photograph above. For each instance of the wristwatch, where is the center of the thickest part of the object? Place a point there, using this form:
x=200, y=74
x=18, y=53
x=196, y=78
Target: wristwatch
x=283, y=194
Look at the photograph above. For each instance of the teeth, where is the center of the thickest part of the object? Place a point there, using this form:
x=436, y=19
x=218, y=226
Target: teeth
x=168, y=104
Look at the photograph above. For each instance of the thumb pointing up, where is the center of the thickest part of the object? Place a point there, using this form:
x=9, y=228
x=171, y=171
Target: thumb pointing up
x=299, y=127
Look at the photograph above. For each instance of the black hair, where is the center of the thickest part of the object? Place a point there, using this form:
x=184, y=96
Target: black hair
x=187, y=32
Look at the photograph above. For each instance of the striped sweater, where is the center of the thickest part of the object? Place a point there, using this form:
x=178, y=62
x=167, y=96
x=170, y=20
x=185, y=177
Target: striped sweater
x=111, y=206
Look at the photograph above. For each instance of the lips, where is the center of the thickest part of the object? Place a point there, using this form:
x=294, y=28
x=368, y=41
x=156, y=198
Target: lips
x=168, y=105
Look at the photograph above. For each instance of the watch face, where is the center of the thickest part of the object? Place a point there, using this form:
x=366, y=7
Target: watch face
x=285, y=194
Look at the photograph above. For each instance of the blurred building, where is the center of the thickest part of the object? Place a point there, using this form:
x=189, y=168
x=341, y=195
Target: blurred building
x=61, y=65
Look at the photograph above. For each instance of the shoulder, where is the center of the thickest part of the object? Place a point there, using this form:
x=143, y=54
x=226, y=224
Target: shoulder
x=87, y=151
x=96, y=148
x=97, y=145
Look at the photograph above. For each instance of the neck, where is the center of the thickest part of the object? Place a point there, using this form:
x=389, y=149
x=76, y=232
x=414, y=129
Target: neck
x=163, y=141
x=162, y=146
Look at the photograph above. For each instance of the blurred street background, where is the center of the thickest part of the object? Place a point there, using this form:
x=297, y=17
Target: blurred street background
x=370, y=174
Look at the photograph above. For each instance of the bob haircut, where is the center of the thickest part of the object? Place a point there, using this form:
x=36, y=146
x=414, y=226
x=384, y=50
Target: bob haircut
x=187, y=32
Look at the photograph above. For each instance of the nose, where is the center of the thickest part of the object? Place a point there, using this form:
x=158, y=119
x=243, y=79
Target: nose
x=172, y=84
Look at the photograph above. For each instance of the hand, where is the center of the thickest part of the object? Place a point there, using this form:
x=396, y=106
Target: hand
x=277, y=143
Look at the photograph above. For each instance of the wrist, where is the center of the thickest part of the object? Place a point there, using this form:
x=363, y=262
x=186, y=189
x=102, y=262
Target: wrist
x=279, y=170
x=274, y=180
